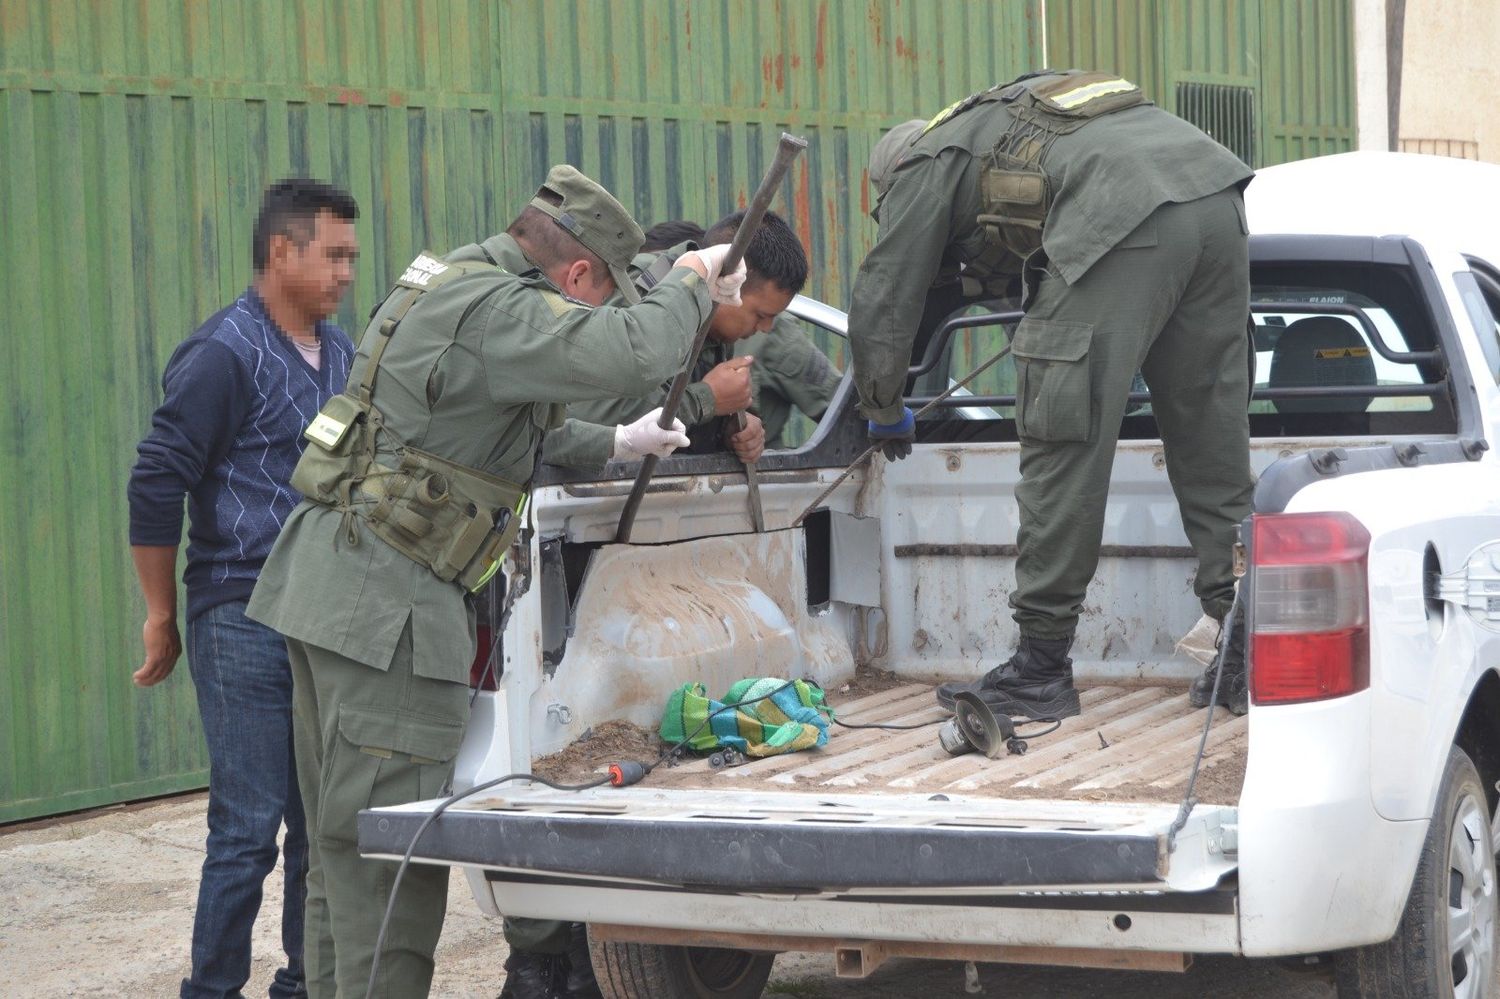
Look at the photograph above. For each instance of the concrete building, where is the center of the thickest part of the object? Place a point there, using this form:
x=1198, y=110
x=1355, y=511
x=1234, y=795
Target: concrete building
x=1426, y=76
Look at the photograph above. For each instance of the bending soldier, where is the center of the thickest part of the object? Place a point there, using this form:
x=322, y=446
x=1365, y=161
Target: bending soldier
x=1125, y=228
x=414, y=481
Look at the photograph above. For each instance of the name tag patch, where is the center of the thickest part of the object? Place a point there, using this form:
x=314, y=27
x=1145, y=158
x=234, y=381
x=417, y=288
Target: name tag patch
x=326, y=430
x=420, y=272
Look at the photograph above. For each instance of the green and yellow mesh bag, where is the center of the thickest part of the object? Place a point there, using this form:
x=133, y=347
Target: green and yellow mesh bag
x=755, y=717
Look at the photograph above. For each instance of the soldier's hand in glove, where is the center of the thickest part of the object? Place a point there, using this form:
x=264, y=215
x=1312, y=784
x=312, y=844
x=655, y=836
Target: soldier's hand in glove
x=730, y=384
x=645, y=436
x=748, y=444
x=722, y=288
x=895, y=439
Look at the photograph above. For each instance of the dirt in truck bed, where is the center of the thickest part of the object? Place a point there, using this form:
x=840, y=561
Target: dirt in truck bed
x=590, y=756
x=1131, y=743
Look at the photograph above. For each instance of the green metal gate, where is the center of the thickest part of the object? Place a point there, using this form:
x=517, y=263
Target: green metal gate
x=135, y=138
x=1271, y=79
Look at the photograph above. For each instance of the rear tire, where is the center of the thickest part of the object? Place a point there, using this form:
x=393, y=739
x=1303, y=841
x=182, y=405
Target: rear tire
x=656, y=971
x=1445, y=946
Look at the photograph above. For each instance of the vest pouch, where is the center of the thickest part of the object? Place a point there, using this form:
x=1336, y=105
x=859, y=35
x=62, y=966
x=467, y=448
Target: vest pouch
x=336, y=450
x=1014, y=199
x=441, y=514
x=481, y=569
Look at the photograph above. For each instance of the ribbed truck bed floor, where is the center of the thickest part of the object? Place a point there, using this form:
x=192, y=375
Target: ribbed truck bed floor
x=1131, y=743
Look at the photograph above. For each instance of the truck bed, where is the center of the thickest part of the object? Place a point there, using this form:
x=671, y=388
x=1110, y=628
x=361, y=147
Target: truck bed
x=1093, y=804
x=1131, y=743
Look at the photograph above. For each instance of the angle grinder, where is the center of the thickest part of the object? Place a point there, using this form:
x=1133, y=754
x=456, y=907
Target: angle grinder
x=975, y=726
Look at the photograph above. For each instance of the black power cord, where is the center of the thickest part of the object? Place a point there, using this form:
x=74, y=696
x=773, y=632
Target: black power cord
x=892, y=728
x=621, y=774
x=1188, y=801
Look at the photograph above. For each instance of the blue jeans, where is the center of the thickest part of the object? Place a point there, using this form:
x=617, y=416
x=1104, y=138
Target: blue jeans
x=244, y=686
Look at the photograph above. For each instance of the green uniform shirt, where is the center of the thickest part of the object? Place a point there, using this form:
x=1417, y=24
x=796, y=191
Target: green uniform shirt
x=587, y=437
x=474, y=373
x=1106, y=177
x=789, y=372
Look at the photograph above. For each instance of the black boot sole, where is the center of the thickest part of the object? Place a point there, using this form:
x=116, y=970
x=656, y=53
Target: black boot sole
x=1064, y=705
x=945, y=696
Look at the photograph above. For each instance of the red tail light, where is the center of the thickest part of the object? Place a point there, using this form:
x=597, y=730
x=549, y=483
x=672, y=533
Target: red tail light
x=1310, y=629
x=481, y=659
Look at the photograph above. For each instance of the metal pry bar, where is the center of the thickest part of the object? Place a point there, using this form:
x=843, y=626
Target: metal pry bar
x=786, y=151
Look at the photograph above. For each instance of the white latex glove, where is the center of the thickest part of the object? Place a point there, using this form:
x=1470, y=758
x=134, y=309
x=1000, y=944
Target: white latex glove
x=644, y=437
x=722, y=288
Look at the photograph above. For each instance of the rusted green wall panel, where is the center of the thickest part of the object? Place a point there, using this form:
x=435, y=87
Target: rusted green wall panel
x=1296, y=55
x=1307, y=78
x=1120, y=36
x=679, y=105
x=136, y=135
x=136, y=139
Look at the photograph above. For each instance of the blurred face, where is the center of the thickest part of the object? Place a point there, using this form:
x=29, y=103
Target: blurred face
x=760, y=304
x=316, y=275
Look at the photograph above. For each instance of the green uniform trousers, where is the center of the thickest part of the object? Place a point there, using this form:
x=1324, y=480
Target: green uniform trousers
x=364, y=738
x=1171, y=301
x=540, y=936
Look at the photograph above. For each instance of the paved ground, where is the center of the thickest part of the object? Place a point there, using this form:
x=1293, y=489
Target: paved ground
x=102, y=906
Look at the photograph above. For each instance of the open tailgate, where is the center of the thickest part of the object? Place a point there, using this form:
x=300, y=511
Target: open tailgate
x=795, y=842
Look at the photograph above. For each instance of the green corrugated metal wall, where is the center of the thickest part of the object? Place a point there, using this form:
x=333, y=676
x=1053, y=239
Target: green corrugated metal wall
x=135, y=138
x=1297, y=55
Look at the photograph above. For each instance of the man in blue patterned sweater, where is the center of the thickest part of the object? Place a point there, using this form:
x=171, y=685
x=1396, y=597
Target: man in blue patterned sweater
x=237, y=395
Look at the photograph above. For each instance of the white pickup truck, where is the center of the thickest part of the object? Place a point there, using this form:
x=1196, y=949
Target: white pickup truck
x=1348, y=816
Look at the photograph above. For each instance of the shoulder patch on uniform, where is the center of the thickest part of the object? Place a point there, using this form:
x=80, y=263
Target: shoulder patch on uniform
x=420, y=272
x=1073, y=98
x=943, y=115
x=561, y=304
x=956, y=108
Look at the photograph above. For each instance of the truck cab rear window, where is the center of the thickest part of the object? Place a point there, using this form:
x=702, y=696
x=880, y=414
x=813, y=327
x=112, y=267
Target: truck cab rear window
x=1340, y=350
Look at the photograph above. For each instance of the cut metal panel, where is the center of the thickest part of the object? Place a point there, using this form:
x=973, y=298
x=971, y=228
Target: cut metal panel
x=854, y=568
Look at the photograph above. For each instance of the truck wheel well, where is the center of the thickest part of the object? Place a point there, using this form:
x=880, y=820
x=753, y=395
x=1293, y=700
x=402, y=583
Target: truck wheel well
x=1479, y=733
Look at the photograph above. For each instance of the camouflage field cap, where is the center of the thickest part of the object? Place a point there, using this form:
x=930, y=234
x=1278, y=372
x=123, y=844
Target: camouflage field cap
x=595, y=219
x=887, y=154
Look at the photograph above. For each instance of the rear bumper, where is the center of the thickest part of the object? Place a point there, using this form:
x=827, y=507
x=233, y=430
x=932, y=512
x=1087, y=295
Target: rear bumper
x=1101, y=922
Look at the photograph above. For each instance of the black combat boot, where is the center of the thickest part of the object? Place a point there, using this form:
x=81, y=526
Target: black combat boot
x=1234, y=693
x=529, y=975
x=579, y=982
x=1036, y=682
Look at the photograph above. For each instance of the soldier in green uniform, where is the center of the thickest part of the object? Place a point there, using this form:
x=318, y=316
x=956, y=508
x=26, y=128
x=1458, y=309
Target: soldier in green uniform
x=414, y=480
x=724, y=377
x=1124, y=227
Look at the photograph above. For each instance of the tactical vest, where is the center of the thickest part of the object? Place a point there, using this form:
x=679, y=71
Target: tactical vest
x=651, y=276
x=453, y=519
x=1015, y=194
